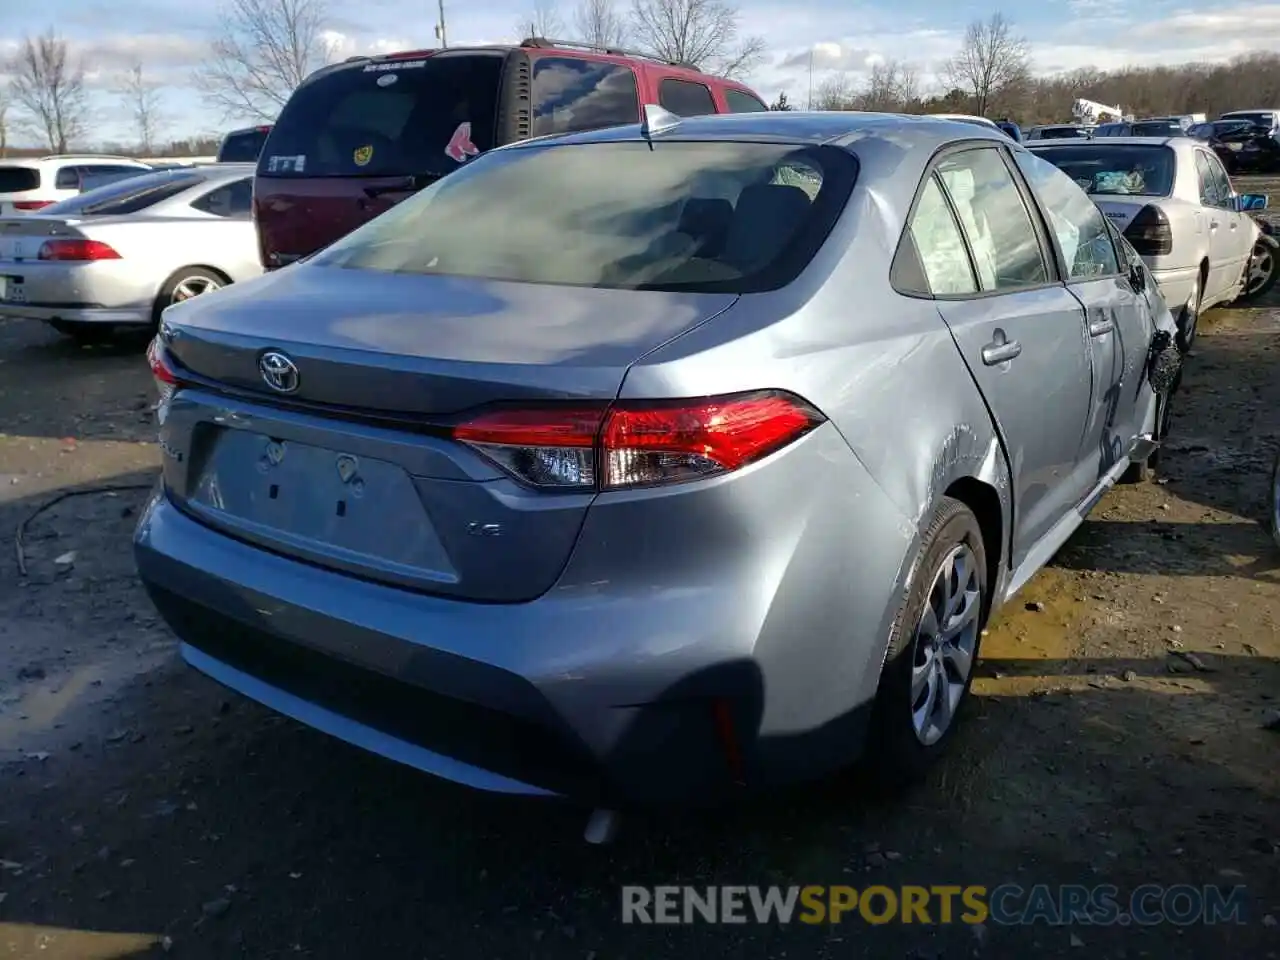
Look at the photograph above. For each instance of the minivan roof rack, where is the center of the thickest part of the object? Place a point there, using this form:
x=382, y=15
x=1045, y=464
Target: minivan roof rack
x=542, y=43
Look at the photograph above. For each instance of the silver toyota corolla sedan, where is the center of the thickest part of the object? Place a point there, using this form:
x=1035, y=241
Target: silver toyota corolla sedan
x=118, y=255
x=1174, y=202
x=654, y=463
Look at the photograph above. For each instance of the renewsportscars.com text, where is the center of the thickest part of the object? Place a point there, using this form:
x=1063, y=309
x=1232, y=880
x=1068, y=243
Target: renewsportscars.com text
x=1008, y=904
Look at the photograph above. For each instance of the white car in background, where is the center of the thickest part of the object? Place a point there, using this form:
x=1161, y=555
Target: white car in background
x=119, y=255
x=1174, y=203
x=31, y=184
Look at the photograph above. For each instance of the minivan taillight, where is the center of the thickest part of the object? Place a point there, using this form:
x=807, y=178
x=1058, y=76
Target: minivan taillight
x=76, y=250
x=1149, y=233
x=638, y=443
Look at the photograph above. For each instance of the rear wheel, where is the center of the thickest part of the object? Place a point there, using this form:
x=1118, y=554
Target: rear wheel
x=183, y=285
x=933, y=646
x=1263, y=271
x=83, y=333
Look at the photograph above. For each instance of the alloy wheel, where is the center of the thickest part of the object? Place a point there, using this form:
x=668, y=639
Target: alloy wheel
x=945, y=642
x=193, y=286
x=1261, y=265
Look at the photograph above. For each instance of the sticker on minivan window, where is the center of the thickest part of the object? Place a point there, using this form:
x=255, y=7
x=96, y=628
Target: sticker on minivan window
x=460, y=149
x=387, y=79
x=362, y=155
x=287, y=164
x=395, y=65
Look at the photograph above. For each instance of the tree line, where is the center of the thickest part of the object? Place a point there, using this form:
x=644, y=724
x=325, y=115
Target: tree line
x=262, y=49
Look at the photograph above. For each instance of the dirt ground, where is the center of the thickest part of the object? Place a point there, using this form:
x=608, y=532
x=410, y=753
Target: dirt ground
x=1123, y=732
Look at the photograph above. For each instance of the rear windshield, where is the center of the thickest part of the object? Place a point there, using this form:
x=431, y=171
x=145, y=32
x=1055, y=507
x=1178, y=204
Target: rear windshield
x=689, y=216
x=395, y=118
x=1060, y=133
x=1260, y=119
x=126, y=196
x=1158, y=128
x=18, y=179
x=242, y=146
x=1118, y=170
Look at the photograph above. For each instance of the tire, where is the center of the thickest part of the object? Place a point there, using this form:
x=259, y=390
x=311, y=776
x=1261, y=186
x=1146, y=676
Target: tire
x=1262, y=272
x=1190, y=316
x=906, y=738
x=183, y=285
x=85, y=334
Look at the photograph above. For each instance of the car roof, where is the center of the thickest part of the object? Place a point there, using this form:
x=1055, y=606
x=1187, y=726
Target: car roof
x=1115, y=142
x=840, y=128
x=1233, y=113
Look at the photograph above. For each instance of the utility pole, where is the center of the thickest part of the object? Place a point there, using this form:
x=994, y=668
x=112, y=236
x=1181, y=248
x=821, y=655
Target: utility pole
x=441, y=34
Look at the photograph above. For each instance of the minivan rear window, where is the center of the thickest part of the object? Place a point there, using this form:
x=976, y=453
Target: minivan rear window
x=728, y=217
x=388, y=118
x=19, y=179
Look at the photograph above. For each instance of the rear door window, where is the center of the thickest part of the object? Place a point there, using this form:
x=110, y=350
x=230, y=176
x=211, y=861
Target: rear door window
x=231, y=200
x=392, y=118
x=685, y=98
x=740, y=102
x=19, y=179
x=67, y=178
x=574, y=94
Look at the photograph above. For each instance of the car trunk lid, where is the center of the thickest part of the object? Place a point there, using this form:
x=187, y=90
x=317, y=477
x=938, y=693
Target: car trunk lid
x=354, y=468
x=22, y=236
x=1121, y=210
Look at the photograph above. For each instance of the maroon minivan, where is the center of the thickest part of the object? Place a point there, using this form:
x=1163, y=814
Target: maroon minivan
x=359, y=136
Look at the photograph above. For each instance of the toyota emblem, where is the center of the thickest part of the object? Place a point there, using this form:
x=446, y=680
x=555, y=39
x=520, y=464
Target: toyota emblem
x=279, y=372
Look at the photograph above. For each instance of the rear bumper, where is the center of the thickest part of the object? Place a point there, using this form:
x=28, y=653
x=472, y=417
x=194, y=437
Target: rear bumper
x=101, y=292
x=611, y=688
x=1175, y=285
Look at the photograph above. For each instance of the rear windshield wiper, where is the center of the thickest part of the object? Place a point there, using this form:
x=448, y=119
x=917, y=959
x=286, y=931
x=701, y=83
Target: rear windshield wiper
x=409, y=184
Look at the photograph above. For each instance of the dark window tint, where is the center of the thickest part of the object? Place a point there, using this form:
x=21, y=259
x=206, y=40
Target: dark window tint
x=1158, y=128
x=229, y=200
x=126, y=196
x=68, y=178
x=740, y=102
x=1078, y=226
x=18, y=179
x=1116, y=169
x=719, y=216
x=684, y=98
x=1060, y=133
x=243, y=146
x=1267, y=120
x=397, y=118
x=1006, y=250
x=572, y=94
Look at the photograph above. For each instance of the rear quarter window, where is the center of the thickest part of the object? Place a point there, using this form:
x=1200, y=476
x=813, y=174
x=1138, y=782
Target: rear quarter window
x=19, y=179
x=693, y=216
x=685, y=98
x=740, y=102
x=573, y=94
x=393, y=118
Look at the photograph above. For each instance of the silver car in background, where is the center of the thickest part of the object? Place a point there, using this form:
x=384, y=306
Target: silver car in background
x=1173, y=201
x=118, y=255
x=653, y=463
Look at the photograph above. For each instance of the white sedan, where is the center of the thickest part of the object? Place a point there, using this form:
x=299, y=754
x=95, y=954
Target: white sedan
x=1173, y=201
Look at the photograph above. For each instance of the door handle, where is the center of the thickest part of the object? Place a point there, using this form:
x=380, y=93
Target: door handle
x=1000, y=351
x=1213, y=224
x=1101, y=326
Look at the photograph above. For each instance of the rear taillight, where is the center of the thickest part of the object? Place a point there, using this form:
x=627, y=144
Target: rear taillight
x=76, y=250
x=1149, y=233
x=29, y=205
x=635, y=443
x=162, y=370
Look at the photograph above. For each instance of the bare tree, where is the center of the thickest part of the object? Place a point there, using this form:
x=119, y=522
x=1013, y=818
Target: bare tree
x=543, y=21
x=598, y=22
x=892, y=86
x=992, y=60
x=263, y=49
x=141, y=97
x=700, y=32
x=49, y=87
x=836, y=92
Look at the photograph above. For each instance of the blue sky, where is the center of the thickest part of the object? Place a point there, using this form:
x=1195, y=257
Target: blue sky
x=170, y=36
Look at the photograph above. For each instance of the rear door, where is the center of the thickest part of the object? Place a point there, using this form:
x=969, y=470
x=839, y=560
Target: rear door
x=1221, y=218
x=1021, y=333
x=1241, y=231
x=1117, y=318
x=355, y=140
x=685, y=98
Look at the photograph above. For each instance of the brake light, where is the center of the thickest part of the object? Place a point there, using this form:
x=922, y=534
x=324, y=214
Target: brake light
x=163, y=371
x=638, y=443
x=76, y=250
x=1149, y=232
x=29, y=205
x=407, y=55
